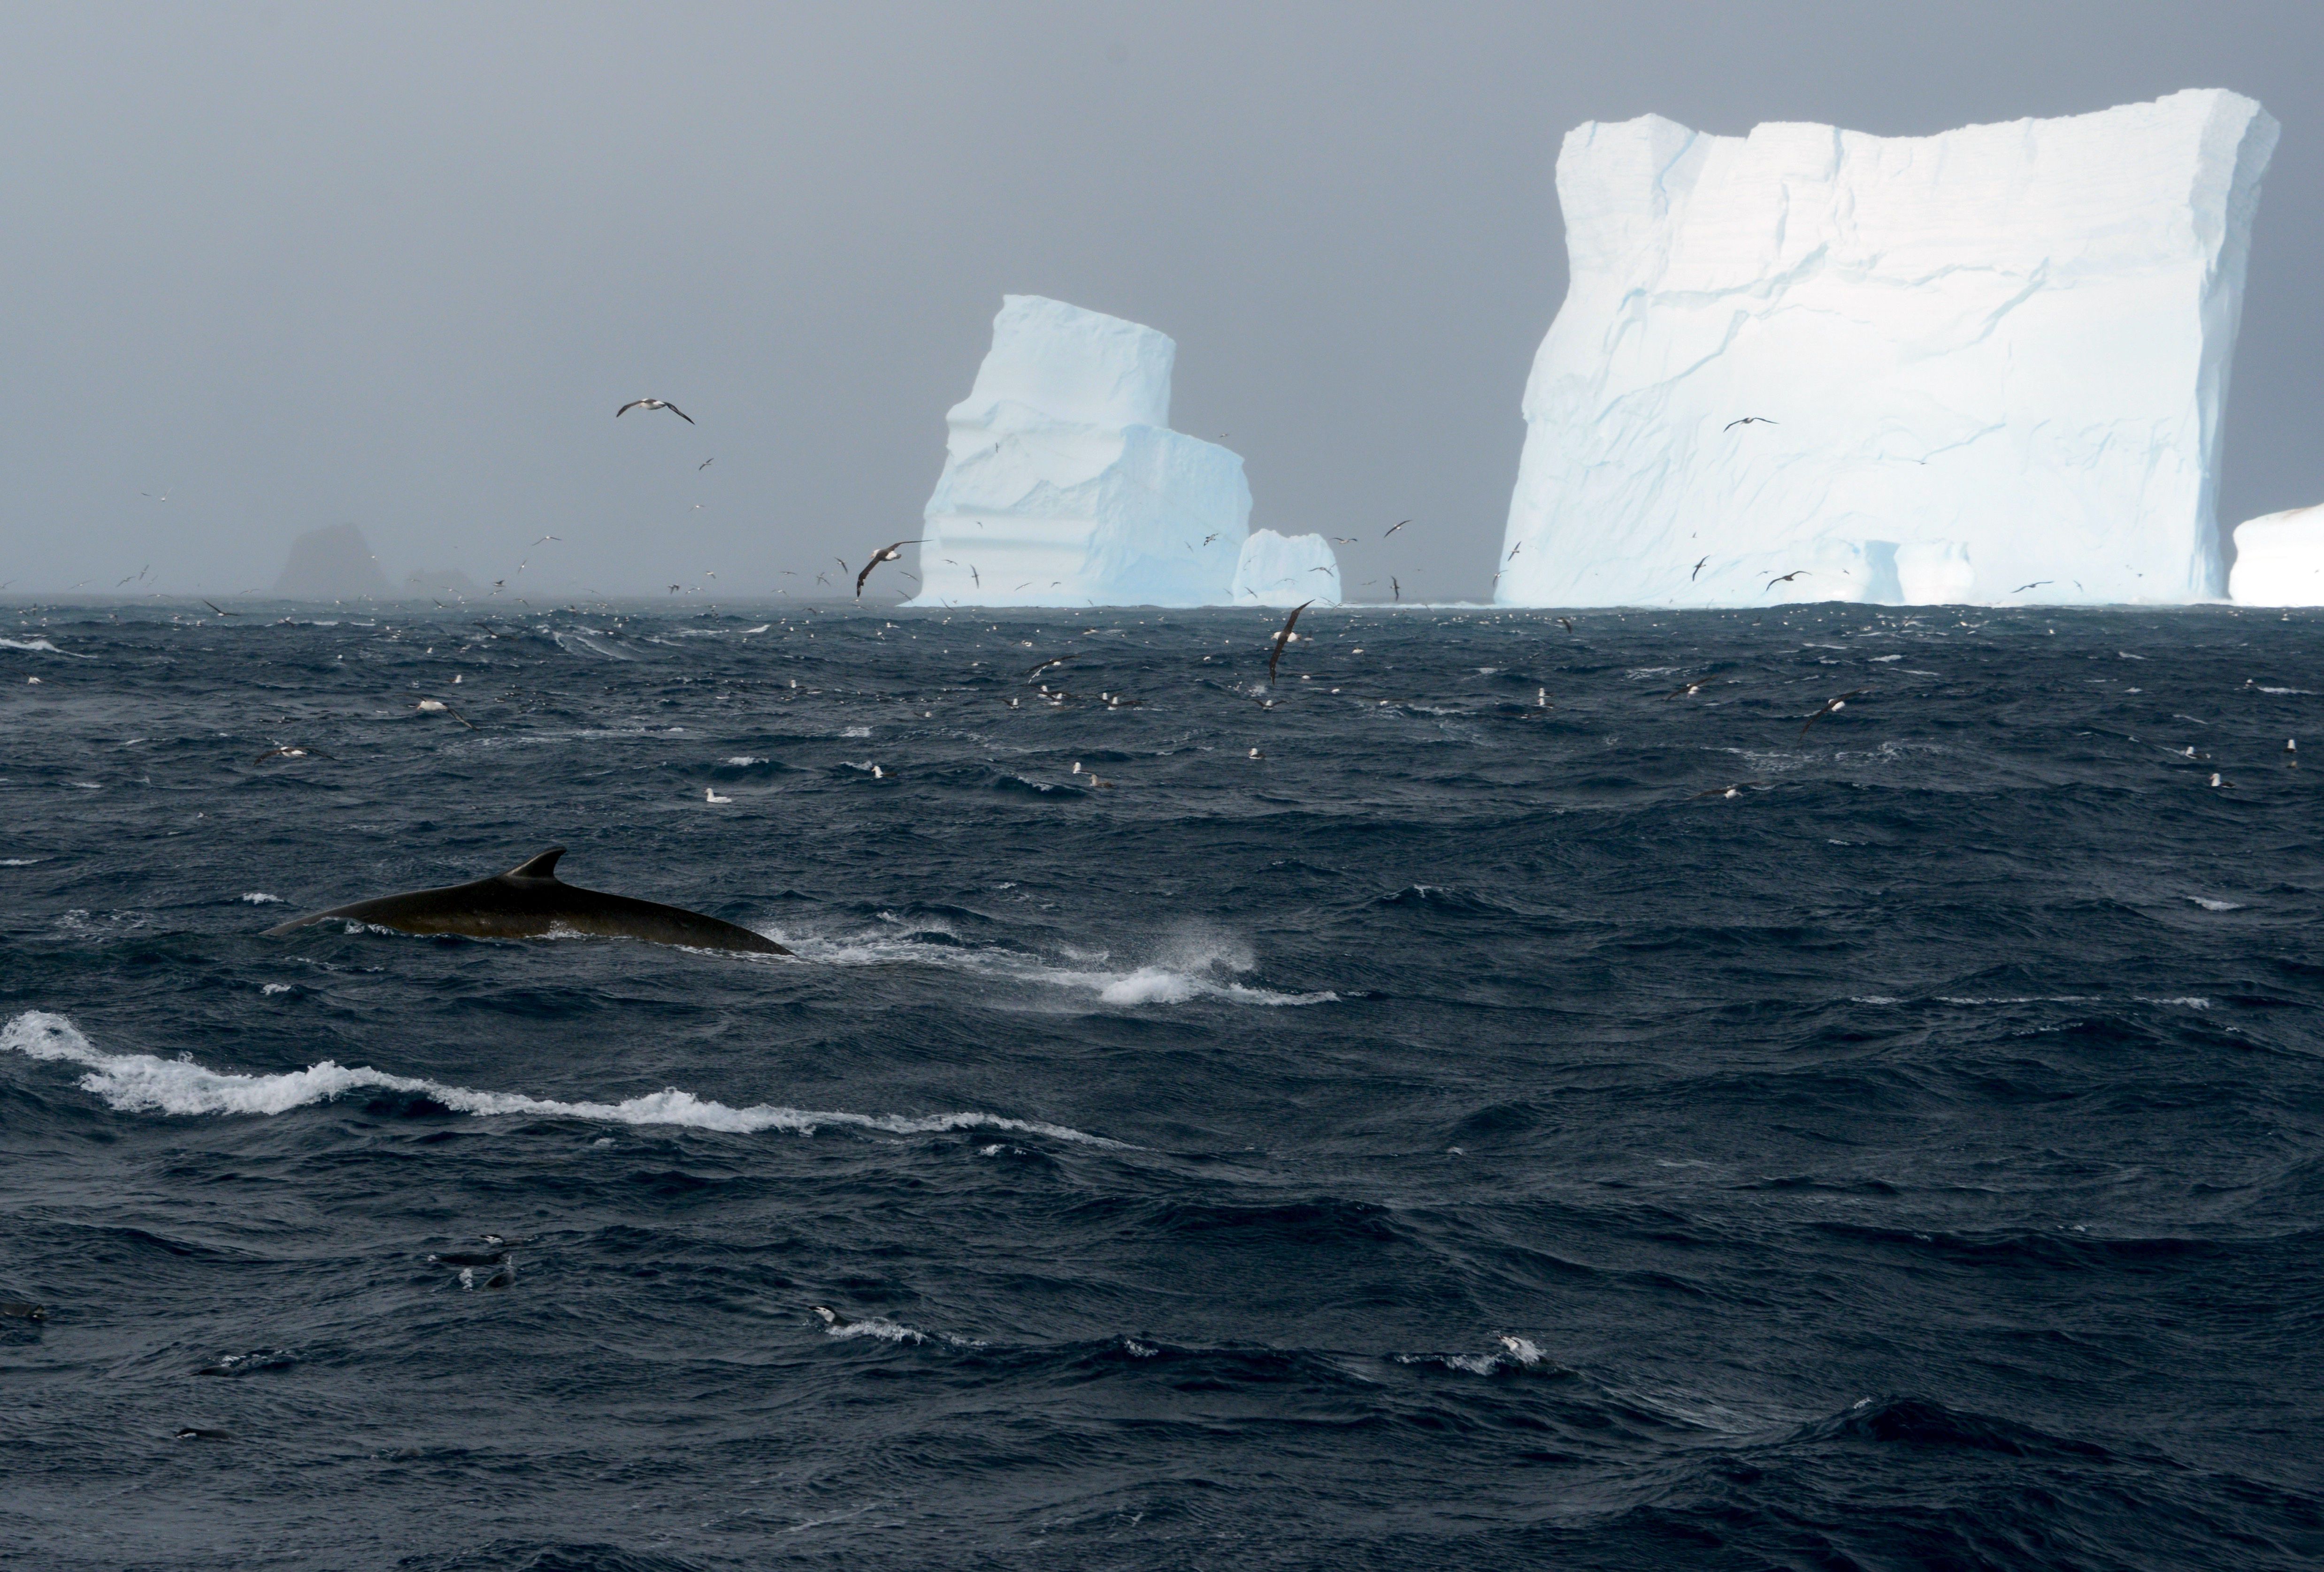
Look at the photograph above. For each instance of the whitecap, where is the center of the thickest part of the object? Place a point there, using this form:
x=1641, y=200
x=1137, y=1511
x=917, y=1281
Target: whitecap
x=857, y=731
x=2212, y=905
x=19, y=861
x=274, y=988
x=1199, y=963
x=590, y=646
x=42, y=647
x=261, y=898
x=740, y=759
x=145, y=1084
x=887, y=1331
x=2280, y=690
x=2192, y=1002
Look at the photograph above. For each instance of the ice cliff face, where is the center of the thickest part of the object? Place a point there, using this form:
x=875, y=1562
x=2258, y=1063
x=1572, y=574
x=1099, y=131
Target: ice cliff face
x=1063, y=484
x=1982, y=366
x=1285, y=570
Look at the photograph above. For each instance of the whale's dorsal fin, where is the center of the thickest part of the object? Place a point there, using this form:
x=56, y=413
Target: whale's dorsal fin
x=541, y=866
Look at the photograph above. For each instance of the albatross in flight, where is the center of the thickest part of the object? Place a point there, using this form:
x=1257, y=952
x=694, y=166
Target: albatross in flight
x=885, y=553
x=1283, y=638
x=653, y=404
x=1831, y=706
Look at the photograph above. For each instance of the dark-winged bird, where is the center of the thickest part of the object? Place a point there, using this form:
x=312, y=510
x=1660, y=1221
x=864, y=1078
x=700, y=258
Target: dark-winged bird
x=1832, y=705
x=653, y=404
x=1283, y=638
x=885, y=553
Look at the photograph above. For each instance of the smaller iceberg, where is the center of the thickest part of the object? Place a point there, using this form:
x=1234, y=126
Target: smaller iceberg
x=333, y=563
x=2280, y=559
x=1285, y=570
x=1063, y=484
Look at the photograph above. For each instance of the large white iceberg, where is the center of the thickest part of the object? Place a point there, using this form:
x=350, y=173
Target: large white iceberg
x=1285, y=570
x=1063, y=483
x=2280, y=559
x=1983, y=366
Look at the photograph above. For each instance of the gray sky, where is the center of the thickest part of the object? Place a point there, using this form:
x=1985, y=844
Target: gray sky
x=292, y=265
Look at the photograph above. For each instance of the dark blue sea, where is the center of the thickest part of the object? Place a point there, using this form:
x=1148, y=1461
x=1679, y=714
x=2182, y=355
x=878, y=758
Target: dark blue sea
x=1446, y=1137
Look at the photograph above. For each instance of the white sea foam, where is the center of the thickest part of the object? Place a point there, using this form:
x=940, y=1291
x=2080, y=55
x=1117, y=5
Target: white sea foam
x=742, y=759
x=274, y=988
x=1198, y=963
x=261, y=898
x=583, y=642
x=145, y=1084
x=873, y=1326
x=42, y=647
x=19, y=861
x=2210, y=906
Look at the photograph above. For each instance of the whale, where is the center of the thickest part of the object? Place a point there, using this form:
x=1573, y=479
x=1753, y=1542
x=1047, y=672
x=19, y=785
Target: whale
x=530, y=902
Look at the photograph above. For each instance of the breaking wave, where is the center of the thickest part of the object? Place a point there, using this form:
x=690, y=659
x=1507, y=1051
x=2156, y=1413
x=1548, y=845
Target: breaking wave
x=145, y=1083
x=1198, y=963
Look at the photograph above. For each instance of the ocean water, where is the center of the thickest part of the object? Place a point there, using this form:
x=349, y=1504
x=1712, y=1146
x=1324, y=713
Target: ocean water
x=1445, y=1138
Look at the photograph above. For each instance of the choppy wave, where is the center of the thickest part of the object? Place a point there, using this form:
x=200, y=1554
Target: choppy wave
x=145, y=1084
x=1198, y=964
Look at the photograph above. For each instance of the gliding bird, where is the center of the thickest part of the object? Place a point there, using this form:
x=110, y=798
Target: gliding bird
x=653, y=404
x=1831, y=706
x=885, y=553
x=1283, y=638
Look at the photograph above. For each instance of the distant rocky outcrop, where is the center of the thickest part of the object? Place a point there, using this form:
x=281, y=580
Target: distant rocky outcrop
x=443, y=583
x=335, y=564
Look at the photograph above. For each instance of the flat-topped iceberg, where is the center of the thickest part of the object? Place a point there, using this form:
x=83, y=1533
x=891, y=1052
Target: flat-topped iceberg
x=2280, y=559
x=1285, y=570
x=1983, y=365
x=1063, y=483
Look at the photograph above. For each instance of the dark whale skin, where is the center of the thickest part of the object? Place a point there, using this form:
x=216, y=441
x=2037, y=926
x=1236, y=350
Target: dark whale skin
x=530, y=902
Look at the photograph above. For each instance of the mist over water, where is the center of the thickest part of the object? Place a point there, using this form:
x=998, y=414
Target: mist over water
x=1459, y=1134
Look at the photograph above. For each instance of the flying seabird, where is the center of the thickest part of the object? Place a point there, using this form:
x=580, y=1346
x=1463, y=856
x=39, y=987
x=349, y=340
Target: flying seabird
x=1831, y=706
x=1394, y=526
x=1688, y=690
x=653, y=404
x=1569, y=623
x=1787, y=578
x=289, y=753
x=2036, y=584
x=1283, y=638
x=1395, y=588
x=438, y=707
x=221, y=610
x=705, y=463
x=885, y=553
x=1698, y=568
x=1749, y=420
x=1037, y=671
